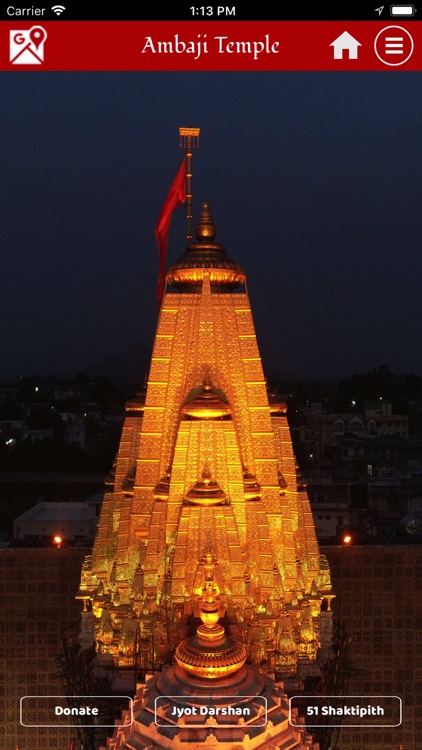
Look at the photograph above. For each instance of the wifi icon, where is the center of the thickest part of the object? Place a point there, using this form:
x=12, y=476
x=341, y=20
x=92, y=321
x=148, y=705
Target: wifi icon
x=58, y=9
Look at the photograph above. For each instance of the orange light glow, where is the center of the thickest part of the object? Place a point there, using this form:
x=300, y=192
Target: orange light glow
x=57, y=540
x=347, y=539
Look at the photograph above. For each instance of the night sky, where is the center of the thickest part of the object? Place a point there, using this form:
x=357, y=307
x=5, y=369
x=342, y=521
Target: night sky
x=314, y=181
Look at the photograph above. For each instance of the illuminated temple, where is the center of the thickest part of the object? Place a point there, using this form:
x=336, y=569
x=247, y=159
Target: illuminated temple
x=206, y=578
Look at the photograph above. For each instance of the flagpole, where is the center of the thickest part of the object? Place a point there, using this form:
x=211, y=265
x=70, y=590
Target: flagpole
x=189, y=139
x=180, y=192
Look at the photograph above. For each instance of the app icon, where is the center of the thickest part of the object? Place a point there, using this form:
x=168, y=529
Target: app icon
x=393, y=45
x=27, y=46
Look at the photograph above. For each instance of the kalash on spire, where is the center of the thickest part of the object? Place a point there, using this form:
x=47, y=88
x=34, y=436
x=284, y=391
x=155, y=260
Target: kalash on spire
x=206, y=568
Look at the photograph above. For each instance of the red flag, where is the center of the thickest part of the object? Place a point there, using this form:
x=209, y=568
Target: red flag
x=175, y=198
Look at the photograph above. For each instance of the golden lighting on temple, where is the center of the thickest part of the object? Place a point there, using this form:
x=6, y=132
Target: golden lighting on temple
x=206, y=519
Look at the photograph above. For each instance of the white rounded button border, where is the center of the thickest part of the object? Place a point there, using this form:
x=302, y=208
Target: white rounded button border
x=401, y=62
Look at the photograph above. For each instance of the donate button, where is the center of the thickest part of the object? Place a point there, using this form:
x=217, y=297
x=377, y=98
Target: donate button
x=66, y=711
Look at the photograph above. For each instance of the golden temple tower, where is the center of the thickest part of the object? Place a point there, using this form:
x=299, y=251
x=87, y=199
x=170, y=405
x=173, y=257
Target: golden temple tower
x=204, y=516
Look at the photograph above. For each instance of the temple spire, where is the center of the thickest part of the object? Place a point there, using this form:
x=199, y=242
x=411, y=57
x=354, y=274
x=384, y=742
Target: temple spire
x=199, y=523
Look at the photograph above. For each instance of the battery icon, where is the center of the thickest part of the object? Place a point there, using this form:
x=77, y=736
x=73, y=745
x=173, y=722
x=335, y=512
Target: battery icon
x=402, y=10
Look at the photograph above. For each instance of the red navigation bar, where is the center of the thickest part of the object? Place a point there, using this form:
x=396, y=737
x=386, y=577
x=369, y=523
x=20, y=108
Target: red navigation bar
x=211, y=45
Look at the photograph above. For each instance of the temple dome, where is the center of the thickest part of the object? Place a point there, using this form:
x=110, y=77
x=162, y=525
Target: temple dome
x=206, y=491
x=205, y=254
x=207, y=404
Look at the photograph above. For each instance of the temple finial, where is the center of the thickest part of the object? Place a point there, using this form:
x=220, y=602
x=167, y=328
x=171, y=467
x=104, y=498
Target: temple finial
x=205, y=230
x=206, y=474
x=206, y=383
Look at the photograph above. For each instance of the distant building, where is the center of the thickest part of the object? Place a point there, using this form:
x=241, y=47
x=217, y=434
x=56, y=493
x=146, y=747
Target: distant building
x=330, y=505
x=380, y=417
x=319, y=431
x=33, y=433
x=70, y=520
x=75, y=432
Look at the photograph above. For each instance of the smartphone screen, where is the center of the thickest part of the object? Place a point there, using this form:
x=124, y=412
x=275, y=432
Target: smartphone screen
x=285, y=150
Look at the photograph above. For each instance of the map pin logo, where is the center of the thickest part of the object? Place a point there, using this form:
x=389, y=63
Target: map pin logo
x=37, y=35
